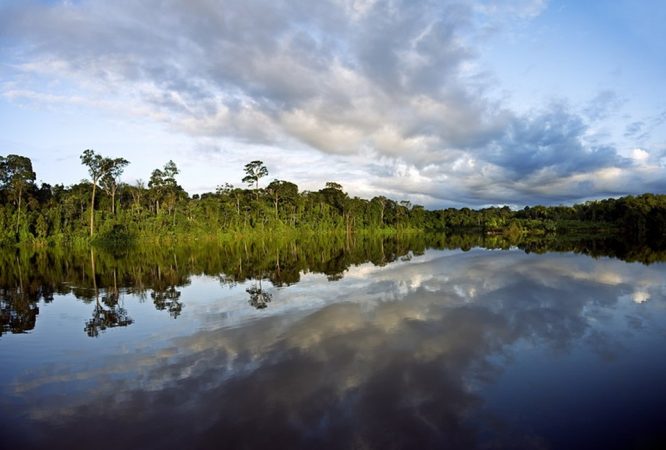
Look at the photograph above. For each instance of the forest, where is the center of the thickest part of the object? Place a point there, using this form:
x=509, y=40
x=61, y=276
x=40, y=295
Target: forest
x=104, y=209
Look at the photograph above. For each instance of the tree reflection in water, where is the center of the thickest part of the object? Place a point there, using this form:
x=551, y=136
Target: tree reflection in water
x=113, y=315
x=168, y=299
x=18, y=313
x=258, y=297
x=103, y=318
x=30, y=276
x=452, y=350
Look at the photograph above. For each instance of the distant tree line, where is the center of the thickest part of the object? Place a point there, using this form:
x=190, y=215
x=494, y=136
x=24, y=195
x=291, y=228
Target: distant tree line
x=104, y=207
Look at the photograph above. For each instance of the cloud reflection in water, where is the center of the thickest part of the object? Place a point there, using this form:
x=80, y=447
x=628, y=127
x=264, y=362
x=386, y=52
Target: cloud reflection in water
x=395, y=357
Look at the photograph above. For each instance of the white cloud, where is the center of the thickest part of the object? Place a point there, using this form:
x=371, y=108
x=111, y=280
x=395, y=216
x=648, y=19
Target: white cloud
x=640, y=296
x=393, y=80
x=639, y=155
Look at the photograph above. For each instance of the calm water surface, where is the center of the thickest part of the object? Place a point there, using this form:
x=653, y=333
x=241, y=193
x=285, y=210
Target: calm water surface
x=425, y=349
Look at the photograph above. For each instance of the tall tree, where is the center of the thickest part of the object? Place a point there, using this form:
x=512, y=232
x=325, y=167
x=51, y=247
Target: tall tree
x=334, y=195
x=163, y=183
x=137, y=191
x=281, y=191
x=17, y=176
x=254, y=170
x=109, y=180
x=380, y=203
x=98, y=168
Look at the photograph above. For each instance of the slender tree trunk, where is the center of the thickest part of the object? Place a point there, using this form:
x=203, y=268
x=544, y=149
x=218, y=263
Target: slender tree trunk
x=18, y=212
x=276, y=207
x=92, y=209
x=94, y=277
x=18, y=264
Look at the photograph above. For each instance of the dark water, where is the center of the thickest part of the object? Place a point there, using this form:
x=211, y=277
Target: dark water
x=366, y=344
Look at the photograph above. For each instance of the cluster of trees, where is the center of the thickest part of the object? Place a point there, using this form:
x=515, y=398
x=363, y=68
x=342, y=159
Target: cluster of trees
x=105, y=207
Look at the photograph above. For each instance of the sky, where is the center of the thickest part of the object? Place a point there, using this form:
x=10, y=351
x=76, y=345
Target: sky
x=443, y=103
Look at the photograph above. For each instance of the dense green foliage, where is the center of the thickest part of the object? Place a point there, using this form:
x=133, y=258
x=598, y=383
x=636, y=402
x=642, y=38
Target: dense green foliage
x=162, y=210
